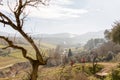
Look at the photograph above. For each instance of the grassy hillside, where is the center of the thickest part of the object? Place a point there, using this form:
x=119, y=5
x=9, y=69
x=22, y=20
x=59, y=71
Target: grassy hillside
x=8, y=61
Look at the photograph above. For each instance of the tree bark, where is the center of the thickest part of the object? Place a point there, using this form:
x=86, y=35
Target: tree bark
x=94, y=65
x=30, y=40
x=34, y=73
x=19, y=17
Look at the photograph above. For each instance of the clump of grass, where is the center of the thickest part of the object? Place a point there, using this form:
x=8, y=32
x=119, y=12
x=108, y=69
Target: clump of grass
x=68, y=73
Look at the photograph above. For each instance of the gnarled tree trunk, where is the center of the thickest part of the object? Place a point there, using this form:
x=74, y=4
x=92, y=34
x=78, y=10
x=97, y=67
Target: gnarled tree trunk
x=17, y=23
x=34, y=73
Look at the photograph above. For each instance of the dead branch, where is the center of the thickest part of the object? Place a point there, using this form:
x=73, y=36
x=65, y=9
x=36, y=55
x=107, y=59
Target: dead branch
x=16, y=22
x=7, y=21
x=10, y=43
x=6, y=47
x=19, y=17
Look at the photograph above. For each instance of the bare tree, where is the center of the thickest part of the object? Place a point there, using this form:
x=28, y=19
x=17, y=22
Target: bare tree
x=94, y=60
x=16, y=21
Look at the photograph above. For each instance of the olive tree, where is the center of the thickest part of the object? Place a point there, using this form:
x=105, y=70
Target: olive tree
x=115, y=33
x=16, y=20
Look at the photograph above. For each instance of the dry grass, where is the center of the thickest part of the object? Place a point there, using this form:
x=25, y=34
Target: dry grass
x=61, y=73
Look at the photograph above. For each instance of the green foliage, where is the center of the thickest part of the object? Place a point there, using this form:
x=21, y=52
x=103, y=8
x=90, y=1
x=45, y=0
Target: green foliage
x=117, y=58
x=109, y=56
x=89, y=69
x=115, y=33
x=69, y=53
x=107, y=34
x=69, y=73
x=92, y=43
x=93, y=78
x=115, y=75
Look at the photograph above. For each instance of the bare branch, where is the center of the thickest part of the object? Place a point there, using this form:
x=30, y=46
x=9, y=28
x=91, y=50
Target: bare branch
x=19, y=16
x=19, y=8
x=24, y=51
x=23, y=18
x=6, y=47
x=16, y=22
x=30, y=40
x=16, y=5
x=6, y=20
x=9, y=6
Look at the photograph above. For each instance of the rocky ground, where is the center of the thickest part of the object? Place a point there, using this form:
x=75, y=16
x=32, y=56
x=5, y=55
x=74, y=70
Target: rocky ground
x=13, y=69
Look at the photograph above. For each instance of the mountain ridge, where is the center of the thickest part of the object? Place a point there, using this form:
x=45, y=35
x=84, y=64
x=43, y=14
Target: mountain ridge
x=63, y=38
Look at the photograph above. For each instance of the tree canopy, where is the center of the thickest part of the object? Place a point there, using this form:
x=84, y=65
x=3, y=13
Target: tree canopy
x=115, y=33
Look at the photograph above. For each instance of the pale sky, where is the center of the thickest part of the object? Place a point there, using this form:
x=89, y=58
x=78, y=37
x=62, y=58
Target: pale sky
x=72, y=16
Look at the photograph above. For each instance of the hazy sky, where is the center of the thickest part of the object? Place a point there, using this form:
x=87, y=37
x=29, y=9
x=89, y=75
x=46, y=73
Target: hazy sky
x=72, y=16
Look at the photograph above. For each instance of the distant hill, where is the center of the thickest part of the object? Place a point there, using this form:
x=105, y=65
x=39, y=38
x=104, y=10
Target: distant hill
x=69, y=39
x=87, y=36
x=63, y=38
x=5, y=34
x=59, y=35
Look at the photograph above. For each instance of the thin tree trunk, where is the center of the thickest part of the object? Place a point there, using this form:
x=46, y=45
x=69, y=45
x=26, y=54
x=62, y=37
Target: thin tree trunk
x=94, y=68
x=34, y=73
x=94, y=65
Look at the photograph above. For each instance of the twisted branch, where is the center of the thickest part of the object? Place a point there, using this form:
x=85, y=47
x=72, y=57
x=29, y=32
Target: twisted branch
x=10, y=43
x=18, y=24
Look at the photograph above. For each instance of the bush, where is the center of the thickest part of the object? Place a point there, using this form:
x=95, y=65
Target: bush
x=70, y=73
x=89, y=69
x=93, y=78
x=115, y=75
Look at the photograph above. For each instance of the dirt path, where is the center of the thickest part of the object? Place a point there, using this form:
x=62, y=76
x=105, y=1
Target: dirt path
x=6, y=66
x=107, y=68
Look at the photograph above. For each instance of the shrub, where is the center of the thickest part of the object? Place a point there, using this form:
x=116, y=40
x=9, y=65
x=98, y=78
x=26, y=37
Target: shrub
x=89, y=69
x=115, y=75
